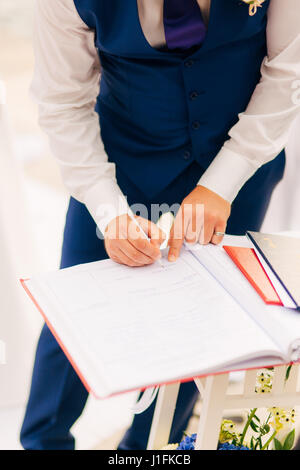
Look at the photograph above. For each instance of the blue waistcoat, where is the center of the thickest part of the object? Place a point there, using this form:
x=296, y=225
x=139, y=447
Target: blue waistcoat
x=159, y=110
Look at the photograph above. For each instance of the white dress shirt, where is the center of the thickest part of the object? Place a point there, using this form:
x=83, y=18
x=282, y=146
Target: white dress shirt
x=66, y=93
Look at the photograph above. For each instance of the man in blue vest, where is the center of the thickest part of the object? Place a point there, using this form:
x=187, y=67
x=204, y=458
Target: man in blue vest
x=196, y=101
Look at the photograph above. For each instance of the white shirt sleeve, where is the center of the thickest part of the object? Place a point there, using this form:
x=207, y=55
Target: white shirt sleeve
x=66, y=85
x=263, y=129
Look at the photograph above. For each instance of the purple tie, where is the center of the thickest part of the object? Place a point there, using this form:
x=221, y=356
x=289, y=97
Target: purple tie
x=184, y=26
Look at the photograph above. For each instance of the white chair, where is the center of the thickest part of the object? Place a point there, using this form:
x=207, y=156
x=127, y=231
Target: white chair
x=216, y=399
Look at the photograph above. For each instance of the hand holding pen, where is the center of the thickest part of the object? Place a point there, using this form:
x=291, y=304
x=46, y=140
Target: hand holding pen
x=133, y=241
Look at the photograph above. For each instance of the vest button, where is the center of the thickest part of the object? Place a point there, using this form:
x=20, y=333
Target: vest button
x=187, y=155
x=189, y=63
x=196, y=125
x=194, y=95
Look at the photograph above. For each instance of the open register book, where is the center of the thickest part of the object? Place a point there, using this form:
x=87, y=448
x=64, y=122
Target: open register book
x=125, y=328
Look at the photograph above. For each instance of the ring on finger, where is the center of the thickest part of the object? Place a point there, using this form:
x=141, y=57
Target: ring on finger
x=219, y=234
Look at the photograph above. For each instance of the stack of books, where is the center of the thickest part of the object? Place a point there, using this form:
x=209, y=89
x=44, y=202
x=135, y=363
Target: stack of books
x=272, y=266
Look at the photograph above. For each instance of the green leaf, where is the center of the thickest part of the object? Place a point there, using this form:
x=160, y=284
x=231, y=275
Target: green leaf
x=260, y=442
x=288, y=371
x=266, y=428
x=252, y=443
x=257, y=418
x=253, y=426
x=278, y=445
x=289, y=440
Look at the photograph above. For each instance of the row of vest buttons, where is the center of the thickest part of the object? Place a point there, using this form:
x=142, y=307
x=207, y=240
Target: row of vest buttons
x=193, y=95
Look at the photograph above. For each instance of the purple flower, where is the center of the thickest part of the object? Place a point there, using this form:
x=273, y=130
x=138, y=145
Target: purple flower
x=188, y=443
x=228, y=446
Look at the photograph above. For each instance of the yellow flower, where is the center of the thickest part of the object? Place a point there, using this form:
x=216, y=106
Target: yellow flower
x=263, y=389
x=276, y=425
x=264, y=379
x=227, y=425
x=276, y=411
x=227, y=432
x=292, y=415
x=282, y=419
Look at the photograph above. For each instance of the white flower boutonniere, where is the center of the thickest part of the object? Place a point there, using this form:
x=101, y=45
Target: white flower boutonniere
x=253, y=5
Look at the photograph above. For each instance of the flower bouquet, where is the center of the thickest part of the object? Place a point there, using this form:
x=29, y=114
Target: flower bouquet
x=276, y=429
x=275, y=432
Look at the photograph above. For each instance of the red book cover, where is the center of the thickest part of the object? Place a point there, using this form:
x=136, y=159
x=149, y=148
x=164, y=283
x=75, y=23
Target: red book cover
x=249, y=264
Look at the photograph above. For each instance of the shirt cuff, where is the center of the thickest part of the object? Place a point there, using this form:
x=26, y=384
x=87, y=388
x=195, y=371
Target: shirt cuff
x=105, y=202
x=228, y=173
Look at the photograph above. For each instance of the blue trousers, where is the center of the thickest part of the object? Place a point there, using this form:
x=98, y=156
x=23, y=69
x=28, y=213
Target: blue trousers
x=57, y=396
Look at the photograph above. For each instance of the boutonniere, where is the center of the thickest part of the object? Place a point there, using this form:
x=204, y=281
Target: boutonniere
x=253, y=5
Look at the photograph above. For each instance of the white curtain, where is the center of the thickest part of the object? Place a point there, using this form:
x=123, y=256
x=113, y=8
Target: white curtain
x=19, y=323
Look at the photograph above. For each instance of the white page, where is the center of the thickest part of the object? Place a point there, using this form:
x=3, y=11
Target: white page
x=148, y=325
x=282, y=324
x=69, y=337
